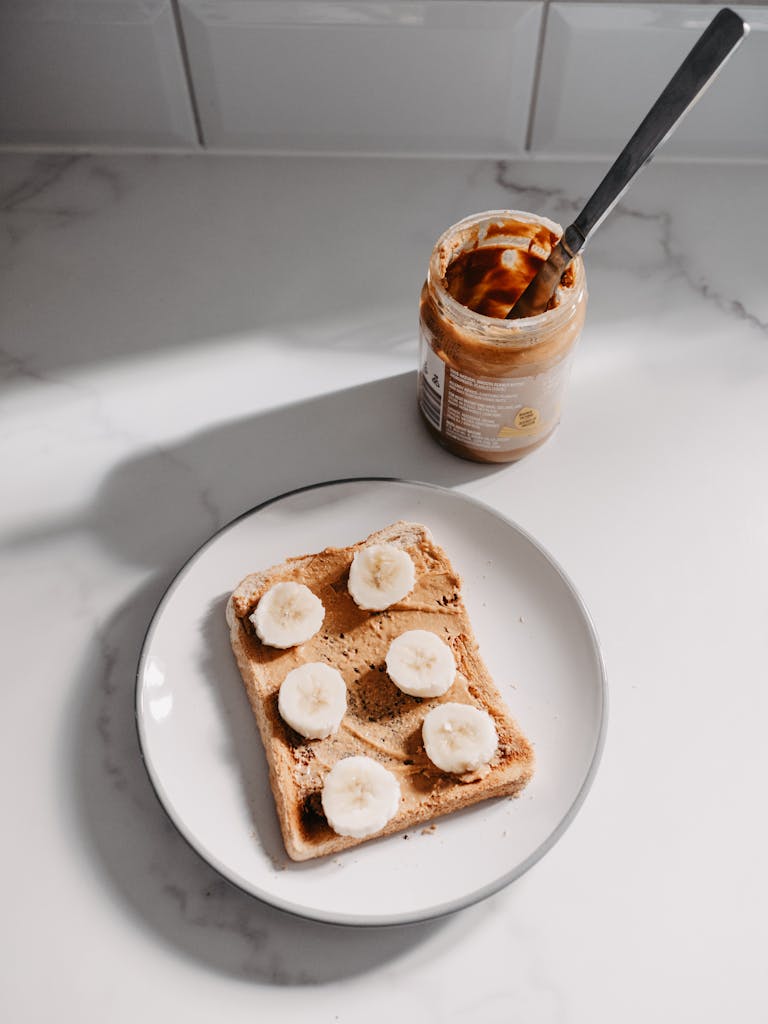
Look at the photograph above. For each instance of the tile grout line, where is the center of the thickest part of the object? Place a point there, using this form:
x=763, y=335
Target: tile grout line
x=182, y=41
x=537, y=76
x=61, y=149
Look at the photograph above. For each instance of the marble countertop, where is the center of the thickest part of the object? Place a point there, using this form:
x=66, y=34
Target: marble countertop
x=184, y=337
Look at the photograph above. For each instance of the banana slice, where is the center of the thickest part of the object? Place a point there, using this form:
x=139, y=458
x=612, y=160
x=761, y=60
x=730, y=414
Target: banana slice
x=459, y=737
x=359, y=797
x=380, y=575
x=419, y=663
x=287, y=614
x=313, y=700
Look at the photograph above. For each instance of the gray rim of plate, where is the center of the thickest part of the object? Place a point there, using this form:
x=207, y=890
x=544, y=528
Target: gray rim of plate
x=444, y=909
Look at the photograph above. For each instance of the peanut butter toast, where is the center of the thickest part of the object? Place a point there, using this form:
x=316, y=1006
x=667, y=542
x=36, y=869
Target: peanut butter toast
x=381, y=722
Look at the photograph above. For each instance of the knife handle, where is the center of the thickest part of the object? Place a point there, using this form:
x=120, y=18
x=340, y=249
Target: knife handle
x=716, y=44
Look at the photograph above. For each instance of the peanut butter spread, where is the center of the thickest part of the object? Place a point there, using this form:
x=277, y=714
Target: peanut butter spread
x=490, y=388
x=486, y=269
x=491, y=274
x=381, y=721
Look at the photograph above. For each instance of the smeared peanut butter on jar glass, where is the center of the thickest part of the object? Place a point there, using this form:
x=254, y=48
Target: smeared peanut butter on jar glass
x=490, y=389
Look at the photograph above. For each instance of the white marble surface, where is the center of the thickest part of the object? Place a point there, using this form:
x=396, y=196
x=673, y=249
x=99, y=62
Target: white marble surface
x=184, y=337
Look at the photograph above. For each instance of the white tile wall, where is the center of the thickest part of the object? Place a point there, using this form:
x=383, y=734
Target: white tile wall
x=363, y=76
x=92, y=72
x=605, y=64
x=401, y=76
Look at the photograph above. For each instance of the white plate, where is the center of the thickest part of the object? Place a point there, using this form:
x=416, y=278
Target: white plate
x=206, y=762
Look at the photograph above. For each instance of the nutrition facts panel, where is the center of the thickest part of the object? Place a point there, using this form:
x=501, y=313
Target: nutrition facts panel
x=489, y=414
x=486, y=413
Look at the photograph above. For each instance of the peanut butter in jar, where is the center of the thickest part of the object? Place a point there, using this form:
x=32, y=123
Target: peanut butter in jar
x=490, y=389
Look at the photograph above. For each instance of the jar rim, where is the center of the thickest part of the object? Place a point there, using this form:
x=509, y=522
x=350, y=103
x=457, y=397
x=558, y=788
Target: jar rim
x=526, y=331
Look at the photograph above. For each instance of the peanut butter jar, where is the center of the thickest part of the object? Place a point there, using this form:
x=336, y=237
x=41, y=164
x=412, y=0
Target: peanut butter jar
x=490, y=389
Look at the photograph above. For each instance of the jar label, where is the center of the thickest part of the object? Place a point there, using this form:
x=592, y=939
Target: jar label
x=432, y=385
x=494, y=414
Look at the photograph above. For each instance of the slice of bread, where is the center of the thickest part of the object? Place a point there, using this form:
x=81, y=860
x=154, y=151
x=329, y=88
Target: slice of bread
x=381, y=721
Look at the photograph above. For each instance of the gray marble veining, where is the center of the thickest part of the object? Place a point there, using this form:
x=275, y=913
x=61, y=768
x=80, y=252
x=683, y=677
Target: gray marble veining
x=182, y=338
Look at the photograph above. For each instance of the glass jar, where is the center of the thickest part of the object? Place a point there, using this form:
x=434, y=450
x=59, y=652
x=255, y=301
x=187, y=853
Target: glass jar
x=490, y=389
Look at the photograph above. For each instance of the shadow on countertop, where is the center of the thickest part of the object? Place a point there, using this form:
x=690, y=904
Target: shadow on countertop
x=152, y=512
x=159, y=506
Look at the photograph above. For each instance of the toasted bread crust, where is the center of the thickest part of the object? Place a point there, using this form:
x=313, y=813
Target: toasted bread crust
x=381, y=721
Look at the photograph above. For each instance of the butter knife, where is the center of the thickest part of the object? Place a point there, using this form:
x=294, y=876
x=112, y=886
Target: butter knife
x=716, y=44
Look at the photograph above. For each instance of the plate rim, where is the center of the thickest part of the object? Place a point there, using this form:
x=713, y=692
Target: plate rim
x=450, y=906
